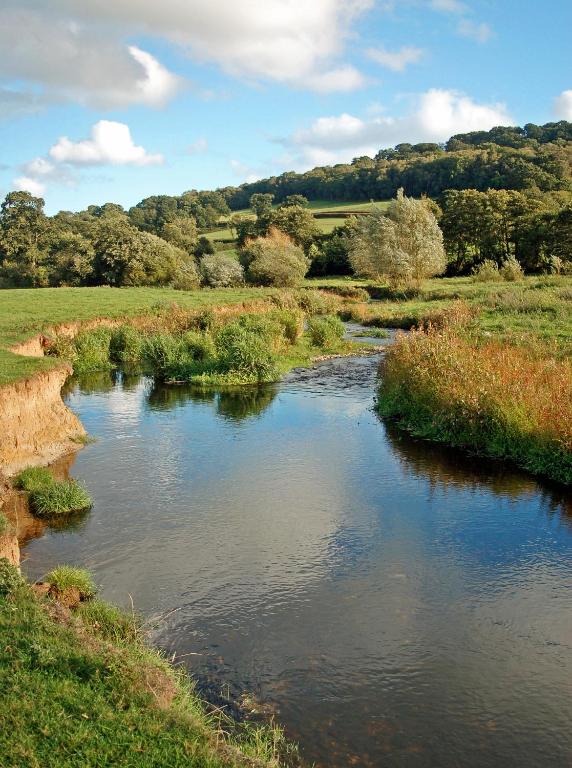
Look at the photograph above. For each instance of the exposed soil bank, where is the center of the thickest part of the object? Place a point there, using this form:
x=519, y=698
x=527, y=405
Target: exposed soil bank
x=35, y=425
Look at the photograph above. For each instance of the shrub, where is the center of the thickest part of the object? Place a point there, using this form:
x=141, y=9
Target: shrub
x=220, y=271
x=246, y=353
x=487, y=272
x=108, y=621
x=59, y=498
x=66, y=577
x=34, y=479
x=317, y=302
x=10, y=577
x=201, y=346
x=164, y=352
x=511, y=271
x=326, y=332
x=92, y=351
x=292, y=323
x=126, y=346
x=275, y=260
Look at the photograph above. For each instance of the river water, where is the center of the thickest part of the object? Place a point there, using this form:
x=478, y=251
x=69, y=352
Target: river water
x=393, y=603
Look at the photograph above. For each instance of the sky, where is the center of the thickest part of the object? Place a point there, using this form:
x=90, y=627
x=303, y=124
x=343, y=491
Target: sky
x=115, y=100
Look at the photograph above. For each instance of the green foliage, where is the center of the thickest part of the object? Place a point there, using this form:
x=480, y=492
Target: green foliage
x=108, y=621
x=220, y=271
x=91, y=350
x=126, y=346
x=326, y=332
x=275, y=260
x=34, y=479
x=10, y=578
x=403, y=247
x=511, y=271
x=244, y=351
x=67, y=577
x=486, y=272
x=4, y=524
x=59, y=498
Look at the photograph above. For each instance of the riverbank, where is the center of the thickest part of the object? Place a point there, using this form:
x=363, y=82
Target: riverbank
x=450, y=384
x=80, y=687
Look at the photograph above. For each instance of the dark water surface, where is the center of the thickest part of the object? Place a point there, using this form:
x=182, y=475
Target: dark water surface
x=394, y=604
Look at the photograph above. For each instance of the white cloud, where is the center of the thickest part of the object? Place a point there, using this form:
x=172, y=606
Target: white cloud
x=27, y=184
x=438, y=114
x=295, y=42
x=199, y=146
x=57, y=60
x=480, y=32
x=563, y=105
x=449, y=6
x=395, y=60
x=110, y=144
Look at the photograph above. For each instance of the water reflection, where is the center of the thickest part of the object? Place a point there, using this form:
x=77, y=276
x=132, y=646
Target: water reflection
x=396, y=604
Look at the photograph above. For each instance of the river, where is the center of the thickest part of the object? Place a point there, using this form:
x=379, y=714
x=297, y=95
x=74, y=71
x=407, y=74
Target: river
x=393, y=603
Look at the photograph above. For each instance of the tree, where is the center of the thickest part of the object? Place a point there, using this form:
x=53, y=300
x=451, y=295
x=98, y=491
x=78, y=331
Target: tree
x=333, y=251
x=298, y=200
x=404, y=247
x=297, y=222
x=275, y=260
x=70, y=259
x=218, y=270
x=261, y=205
x=180, y=232
x=24, y=233
x=203, y=246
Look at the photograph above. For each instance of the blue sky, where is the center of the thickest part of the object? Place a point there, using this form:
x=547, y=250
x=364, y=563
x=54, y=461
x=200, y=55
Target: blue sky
x=114, y=100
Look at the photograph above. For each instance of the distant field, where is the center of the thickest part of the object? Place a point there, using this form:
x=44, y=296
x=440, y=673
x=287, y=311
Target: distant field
x=324, y=206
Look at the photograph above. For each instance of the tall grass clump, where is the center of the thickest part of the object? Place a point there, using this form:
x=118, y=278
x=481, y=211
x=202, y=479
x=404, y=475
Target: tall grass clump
x=34, y=479
x=511, y=271
x=326, y=332
x=446, y=384
x=66, y=577
x=50, y=497
x=126, y=346
x=487, y=272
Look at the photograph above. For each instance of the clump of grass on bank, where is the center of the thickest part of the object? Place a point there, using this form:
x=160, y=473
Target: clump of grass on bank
x=449, y=385
x=50, y=497
x=371, y=333
x=67, y=577
x=80, y=689
x=326, y=332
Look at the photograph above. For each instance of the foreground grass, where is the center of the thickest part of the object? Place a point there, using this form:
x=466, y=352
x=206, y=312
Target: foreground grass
x=26, y=312
x=82, y=689
x=451, y=384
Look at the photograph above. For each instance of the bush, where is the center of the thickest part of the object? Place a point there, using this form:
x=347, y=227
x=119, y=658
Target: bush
x=108, y=621
x=10, y=578
x=34, y=479
x=326, y=332
x=220, y=271
x=275, y=260
x=66, y=577
x=487, y=272
x=292, y=323
x=92, y=351
x=246, y=353
x=511, y=271
x=126, y=346
x=200, y=346
x=317, y=302
x=59, y=498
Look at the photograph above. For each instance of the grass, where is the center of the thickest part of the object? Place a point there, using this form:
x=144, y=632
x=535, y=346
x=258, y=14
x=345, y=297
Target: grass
x=25, y=313
x=50, y=497
x=451, y=384
x=67, y=577
x=79, y=689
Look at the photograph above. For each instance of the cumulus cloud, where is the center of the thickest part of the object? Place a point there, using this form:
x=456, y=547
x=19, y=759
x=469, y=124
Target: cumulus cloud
x=199, y=146
x=395, y=60
x=110, y=144
x=295, y=42
x=56, y=59
x=480, y=32
x=28, y=184
x=563, y=105
x=438, y=114
x=449, y=6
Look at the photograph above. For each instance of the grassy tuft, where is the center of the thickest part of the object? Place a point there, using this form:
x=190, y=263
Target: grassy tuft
x=108, y=621
x=34, y=479
x=326, y=332
x=10, y=578
x=67, y=577
x=59, y=498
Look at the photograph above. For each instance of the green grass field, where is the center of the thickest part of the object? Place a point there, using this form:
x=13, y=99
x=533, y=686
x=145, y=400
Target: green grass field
x=26, y=312
x=318, y=206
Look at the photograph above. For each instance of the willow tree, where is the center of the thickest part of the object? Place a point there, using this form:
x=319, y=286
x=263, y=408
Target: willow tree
x=403, y=246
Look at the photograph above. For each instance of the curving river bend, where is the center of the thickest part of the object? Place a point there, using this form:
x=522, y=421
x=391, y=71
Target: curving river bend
x=394, y=603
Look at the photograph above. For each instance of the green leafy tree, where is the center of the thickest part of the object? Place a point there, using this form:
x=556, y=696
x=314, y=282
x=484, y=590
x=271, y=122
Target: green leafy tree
x=180, y=232
x=24, y=235
x=275, y=260
x=297, y=222
x=403, y=247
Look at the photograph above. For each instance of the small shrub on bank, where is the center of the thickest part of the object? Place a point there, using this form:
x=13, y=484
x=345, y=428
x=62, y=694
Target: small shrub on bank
x=66, y=577
x=326, y=332
x=220, y=271
x=317, y=302
x=245, y=352
x=92, y=351
x=126, y=346
x=59, y=498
